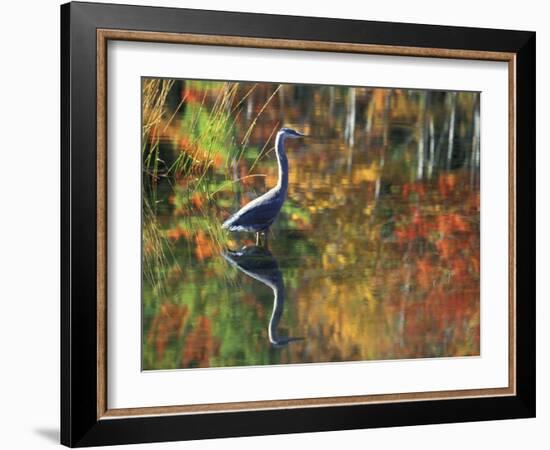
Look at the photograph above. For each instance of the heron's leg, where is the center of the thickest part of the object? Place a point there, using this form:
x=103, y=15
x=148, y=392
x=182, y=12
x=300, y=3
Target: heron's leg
x=258, y=238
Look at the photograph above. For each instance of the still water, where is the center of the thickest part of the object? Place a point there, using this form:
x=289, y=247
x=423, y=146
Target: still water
x=375, y=254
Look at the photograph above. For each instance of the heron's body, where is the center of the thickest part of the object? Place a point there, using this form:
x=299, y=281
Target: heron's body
x=259, y=214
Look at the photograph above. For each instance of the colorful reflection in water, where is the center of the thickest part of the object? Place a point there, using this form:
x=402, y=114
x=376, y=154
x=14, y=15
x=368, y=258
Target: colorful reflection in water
x=374, y=256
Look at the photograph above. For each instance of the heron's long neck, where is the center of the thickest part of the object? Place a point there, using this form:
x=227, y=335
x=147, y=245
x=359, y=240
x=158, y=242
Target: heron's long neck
x=282, y=183
x=278, y=305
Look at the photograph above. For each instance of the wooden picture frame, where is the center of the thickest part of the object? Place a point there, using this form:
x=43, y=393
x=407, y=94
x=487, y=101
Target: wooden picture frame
x=86, y=418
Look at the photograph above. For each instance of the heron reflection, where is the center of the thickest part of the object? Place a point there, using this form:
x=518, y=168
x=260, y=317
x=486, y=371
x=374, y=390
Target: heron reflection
x=258, y=263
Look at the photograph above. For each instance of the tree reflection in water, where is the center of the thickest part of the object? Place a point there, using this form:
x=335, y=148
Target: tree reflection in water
x=377, y=243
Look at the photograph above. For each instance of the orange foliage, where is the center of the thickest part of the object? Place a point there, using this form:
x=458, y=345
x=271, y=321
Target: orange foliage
x=204, y=246
x=167, y=324
x=176, y=233
x=446, y=183
x=199, y=345
x=197, y=199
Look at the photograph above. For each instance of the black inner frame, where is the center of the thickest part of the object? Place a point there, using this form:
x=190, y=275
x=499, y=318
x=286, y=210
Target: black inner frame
x=79, y=423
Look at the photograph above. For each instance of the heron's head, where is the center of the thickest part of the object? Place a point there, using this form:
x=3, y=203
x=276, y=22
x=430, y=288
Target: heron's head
x=289, y=132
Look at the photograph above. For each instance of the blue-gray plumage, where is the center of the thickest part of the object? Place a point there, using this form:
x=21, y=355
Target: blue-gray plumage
x=258, y=215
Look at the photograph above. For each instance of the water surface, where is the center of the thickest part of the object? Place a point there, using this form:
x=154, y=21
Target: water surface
x=375, y=254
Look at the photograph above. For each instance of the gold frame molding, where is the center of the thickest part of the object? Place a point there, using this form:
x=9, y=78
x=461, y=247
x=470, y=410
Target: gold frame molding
x=105, y=35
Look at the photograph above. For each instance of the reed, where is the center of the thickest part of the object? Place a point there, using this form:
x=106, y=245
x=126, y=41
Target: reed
x=203, y=175
x=154, y=93
x=154, y=245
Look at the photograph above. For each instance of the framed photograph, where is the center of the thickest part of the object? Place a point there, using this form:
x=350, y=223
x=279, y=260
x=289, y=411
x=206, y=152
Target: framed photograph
x=276, y=224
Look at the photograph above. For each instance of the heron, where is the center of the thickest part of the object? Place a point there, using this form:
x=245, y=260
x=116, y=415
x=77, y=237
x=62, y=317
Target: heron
x=260, y=264
x=259, y=214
